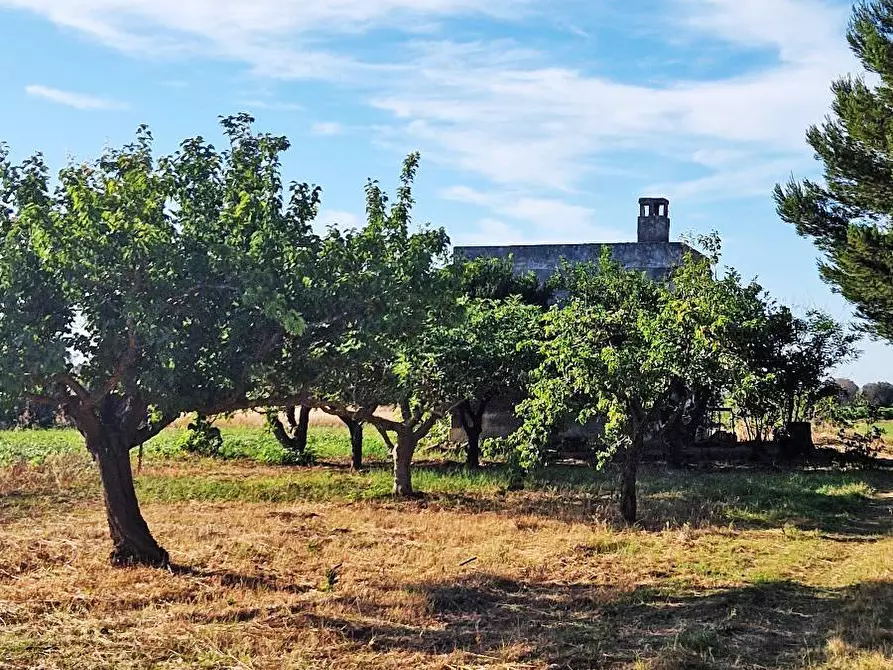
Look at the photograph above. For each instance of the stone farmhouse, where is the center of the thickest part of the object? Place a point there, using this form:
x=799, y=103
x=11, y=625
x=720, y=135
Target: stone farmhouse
x=652, y=253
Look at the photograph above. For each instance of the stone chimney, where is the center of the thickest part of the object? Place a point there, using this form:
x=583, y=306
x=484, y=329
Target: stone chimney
x=654, y=220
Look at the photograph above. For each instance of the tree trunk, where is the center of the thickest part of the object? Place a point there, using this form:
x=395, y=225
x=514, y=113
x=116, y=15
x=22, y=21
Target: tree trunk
x=473, y=454
x=301, y=430
x=133, y=543
x=472, y=422
x=628, y=480
x=674, y=436
x=403, y=451
x=295, y=444
x=356, y=442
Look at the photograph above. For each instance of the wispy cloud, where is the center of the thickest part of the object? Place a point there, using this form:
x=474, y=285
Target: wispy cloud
x=522, y=119
x=72, y=99
x=546, y=220
x=327, y=128
x=278, y=38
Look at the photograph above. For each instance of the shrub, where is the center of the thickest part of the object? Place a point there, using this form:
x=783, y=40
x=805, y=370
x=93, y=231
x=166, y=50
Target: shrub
x=202, y=438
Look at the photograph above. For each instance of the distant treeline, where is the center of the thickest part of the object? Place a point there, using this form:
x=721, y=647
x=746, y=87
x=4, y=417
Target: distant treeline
x=874, y=399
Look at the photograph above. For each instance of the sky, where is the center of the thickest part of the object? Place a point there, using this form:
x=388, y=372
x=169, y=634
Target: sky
x=537, y=121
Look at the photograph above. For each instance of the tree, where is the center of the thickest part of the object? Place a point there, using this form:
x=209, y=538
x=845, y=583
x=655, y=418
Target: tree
x=786, y=364
x=141, y=289
x=615, y=350
x=847, y=390
x=817, y=345
x=625, y=349
x=486, y=360
x=394, y=296
x=848, y=216
x=878, y=394
x=497, y=320
x=495, y=278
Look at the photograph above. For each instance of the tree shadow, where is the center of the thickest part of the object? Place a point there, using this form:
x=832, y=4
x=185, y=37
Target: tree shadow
x=838, y=503
x=236, y=580
x=772, y=624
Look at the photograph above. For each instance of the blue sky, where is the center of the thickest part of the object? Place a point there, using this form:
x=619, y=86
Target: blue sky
x=537, y=121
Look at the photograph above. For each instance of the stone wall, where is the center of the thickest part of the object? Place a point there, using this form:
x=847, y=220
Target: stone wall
x=656, y=259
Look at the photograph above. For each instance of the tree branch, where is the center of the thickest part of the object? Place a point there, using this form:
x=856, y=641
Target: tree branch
x=384, y=435
x=73, y=384
x=124, y=362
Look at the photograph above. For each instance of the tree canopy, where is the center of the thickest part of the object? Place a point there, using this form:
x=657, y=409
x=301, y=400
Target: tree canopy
x=138, y=289
x=848, y=215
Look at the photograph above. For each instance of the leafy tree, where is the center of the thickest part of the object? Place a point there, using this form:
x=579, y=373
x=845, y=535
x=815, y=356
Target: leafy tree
x=697, y=304
x=878, y=394
x=848, y=216
x=394, y=296
x=626, y=349
x=818, y=344
x=787, y=361
x=847, y=390
x=486, y=360
x=494, y=364
x=140, y=289
x=495, y=278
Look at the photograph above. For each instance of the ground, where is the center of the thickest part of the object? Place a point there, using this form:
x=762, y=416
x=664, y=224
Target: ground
x=280, y=567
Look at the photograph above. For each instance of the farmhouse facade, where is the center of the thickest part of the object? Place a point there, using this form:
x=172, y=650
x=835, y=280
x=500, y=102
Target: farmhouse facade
x=652, y=253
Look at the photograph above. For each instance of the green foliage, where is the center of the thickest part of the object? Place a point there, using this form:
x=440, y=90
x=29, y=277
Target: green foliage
x=389, y=287
x=619, y=346
x=168, y=282
x=494, y=279
x=848, y=215
x=589, y=344
x=787, y=363
x=202, y=437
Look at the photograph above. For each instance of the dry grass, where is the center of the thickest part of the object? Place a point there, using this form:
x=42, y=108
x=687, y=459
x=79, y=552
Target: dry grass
x=484, y=577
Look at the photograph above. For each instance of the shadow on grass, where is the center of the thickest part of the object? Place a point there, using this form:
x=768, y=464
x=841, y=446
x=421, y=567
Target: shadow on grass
x=582, y=626
x=236, y=580
x=832, y=502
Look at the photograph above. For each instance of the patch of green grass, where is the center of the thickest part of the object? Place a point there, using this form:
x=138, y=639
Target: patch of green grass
x=34, y=446
x=313, y=484
x=239, y=442
x=828, y=499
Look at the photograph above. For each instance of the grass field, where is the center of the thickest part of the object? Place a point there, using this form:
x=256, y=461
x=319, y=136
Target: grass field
x=281, y=567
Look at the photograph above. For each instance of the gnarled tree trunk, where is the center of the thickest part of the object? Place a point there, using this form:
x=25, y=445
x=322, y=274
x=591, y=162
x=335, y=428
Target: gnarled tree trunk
x=110, y=442
x=295, y=444
x=301, y=426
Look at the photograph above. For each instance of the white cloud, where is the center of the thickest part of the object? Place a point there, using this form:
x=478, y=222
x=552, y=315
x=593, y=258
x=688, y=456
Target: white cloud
x=740, y=181
x=279, y=38
x=537, y=220
x=523, y=119
x=327, y=128
x=71, y=99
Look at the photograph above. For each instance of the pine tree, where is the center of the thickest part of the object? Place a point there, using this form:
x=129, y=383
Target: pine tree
x=849, y=215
